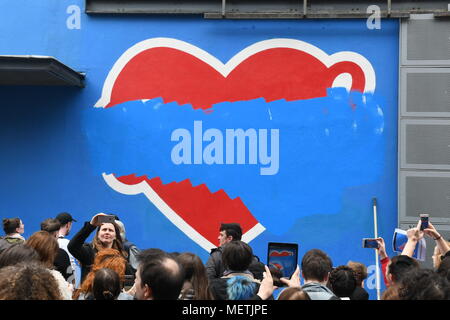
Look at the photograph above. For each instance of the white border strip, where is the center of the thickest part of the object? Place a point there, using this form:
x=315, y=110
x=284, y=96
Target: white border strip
x=163, y=207
x=225, y=69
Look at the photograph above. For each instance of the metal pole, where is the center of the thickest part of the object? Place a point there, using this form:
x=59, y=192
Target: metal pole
x=224, y=2
x=377, y=270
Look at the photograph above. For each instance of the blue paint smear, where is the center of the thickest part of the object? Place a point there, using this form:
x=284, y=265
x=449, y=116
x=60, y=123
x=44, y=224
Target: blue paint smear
x=325, y=145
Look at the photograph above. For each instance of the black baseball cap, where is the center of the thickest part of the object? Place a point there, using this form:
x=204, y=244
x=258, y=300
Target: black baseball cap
x=64, y=218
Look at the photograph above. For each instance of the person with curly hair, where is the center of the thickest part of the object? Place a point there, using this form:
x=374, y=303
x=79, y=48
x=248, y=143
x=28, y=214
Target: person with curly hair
x=342, y=281
x=106, y=258
x=30, y=281
x=423, y=284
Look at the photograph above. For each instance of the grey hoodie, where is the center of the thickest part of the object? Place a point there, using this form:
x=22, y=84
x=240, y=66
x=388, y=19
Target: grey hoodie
x=317, y=291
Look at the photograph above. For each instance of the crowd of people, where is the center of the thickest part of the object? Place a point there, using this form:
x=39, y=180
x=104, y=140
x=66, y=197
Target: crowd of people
x=42, y=267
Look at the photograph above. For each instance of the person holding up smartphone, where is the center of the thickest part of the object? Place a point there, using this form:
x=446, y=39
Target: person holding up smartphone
x=107, y=236
x=442, y=247
x=417, y=233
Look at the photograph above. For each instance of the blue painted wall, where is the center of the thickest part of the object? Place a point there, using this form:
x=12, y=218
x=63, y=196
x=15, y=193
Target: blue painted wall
x=50, y=161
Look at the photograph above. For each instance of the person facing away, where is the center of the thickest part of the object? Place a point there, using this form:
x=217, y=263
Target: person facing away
x=62, y=260
x=196, y=284
x=423, y=284
x=158, y=277
x=342, y=282
x=398, y=267
x=19, y=253
x=106, y=258
x=214, y=266
x=13, y=228
x=106, y=237
x=106, y=285
x=360, y=271
x=66, y=220
x=47, y=247
x=316, y=267
x=28, y=281
x=293, y=293
x=394, y=268
x=237, y=282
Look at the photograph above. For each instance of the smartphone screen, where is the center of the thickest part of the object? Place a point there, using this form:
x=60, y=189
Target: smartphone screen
x=283, y=256
x=106, y=219
x=424, y=221
x=370, y=243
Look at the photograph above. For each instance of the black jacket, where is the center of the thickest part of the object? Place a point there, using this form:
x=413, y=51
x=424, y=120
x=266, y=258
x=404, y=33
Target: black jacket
x=359, y=294
x=85, y=252
x=62, y=264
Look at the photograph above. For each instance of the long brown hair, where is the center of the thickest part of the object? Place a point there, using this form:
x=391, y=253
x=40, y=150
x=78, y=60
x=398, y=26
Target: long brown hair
x=106, y=258
x=117, y=243
x=195, y=274
x=46, y=246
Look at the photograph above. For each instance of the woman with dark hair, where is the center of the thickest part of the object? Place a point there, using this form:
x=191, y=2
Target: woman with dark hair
x=47, y=247
x=107, y=237
x=19, y=253
x=423, y=284
x=106, y=285
x=196, y=284
x=106, y=258
x=14, y=228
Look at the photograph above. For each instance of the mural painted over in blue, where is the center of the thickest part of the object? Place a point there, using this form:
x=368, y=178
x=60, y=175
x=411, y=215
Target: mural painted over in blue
x=286, y=127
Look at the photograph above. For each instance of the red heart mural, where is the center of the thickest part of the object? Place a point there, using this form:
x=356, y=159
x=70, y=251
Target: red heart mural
x=178, y=71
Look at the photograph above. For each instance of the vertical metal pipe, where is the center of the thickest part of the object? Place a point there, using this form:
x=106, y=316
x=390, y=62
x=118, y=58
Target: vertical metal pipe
x=377, y=270
x=224, y=3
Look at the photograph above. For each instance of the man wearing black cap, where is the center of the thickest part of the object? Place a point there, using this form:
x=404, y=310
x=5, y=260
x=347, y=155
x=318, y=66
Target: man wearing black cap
x=66, y=224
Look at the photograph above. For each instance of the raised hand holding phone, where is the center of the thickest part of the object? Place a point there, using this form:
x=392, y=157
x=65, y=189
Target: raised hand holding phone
x=370, y=243
x=424, y=221
x=381, y=248
x=100, y=218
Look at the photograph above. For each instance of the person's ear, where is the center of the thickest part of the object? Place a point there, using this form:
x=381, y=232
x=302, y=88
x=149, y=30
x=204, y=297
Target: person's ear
x=230, y=238
x=390, y=278
x=148, y=293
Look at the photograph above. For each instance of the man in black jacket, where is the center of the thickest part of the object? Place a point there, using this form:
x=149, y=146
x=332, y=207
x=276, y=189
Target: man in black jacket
x=214, y=266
